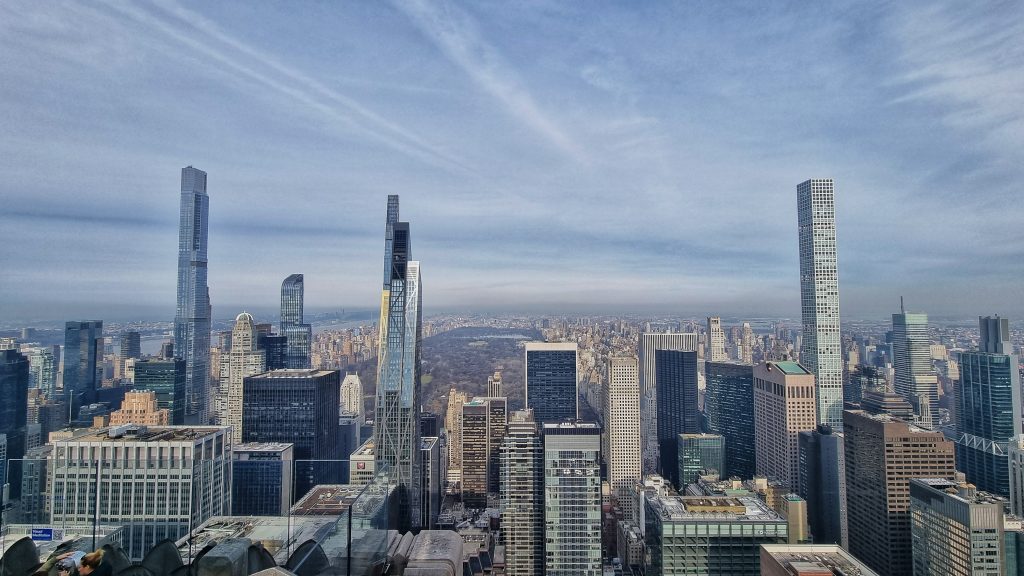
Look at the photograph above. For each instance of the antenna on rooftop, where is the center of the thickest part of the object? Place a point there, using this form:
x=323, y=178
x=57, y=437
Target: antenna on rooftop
x=902, y=310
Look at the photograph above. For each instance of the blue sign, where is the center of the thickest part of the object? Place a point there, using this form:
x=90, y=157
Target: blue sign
x=42, y=534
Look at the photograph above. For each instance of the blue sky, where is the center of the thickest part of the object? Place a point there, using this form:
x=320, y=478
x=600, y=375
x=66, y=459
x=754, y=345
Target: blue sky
x=550, y=155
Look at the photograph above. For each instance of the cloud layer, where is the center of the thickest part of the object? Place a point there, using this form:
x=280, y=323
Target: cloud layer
x=549, y=156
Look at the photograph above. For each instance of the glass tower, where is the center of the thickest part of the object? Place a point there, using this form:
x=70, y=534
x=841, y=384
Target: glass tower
x=987, y=397
x=397, y=431
x=572, y=499
x=551, y=385
x=677, y=406
x=729, y=409
x=821, y=349
x=192, y=315
x=83, y=359
x=299, y=335
x=914, y=378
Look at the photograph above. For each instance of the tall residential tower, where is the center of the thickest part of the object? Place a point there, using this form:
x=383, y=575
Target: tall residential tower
x=299, y=336
x=192, y=316
x=821, y=351
x=397, y=418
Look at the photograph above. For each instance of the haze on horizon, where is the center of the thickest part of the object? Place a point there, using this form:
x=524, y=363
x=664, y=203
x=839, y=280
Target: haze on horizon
x=616, y=155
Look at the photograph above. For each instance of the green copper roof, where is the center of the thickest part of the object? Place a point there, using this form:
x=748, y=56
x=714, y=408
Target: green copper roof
x=791, y=368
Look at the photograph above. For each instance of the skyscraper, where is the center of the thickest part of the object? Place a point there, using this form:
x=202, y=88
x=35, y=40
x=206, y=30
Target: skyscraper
x=522, y=496
x=166, y=378
x=298, y=407
x=988, y=412
x=246, y=360
x=397, y=431
x=352, y=396
x=823, y=484
x=715, y=341
x=820, y=350
x=954, y=530
x=13, y=413
x=914, y=378
x=678, y=412
x=784, y=406
x=882, y=453
x=649, y=343
x=131, y=345
x=729, y=409
x=699, y=454
x=572, y=498
x=453, y=424
x=494, y=385
x=551, y=381
x=484, y=422
x=299, y=335
x=622, y=423
x=192, y=315
x=83, y=360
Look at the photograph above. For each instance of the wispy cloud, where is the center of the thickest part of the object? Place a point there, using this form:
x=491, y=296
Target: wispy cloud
x=458, y=36
x=207, y=38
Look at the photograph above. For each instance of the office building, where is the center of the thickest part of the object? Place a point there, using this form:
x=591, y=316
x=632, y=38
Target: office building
x=352, y=396
x=433, y=485
x=14, y=382
x=784, y=406
x=275, y=349
x=914, y=377
x=747, y=344
x=245, y=360
x=709, y=535
x=43, y=364
x=810, y=560
x=299, y=336
x=35, y=486
x=192, y=315
x=261, y=478
x=551, y=380
x=522, y=496
x=823, y=484
x=988, y=408
x=622, y=424
x=676, y=400
x=397, y=422
x=647, y=357
x=165, y=377
x=453, y=424
x=821, y=347
x=700, y=455
x=955, y=531
x=494, y=385
x=362, y=464
x=83, y=362
x=298, y=407
x=572, y=499
x=131, y=345
x=882, y=454
x=149, y=480
x=715, y=341
x=484, y=422
x=140, y=408
x=729, y=411
x=1016, y=457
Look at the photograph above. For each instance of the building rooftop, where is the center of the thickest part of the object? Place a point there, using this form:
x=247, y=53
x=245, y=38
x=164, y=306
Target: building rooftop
x=294, y=373
x=327, y=500
x=790, y=367
x=262, y=447
x=815, y=559
x=367, y=449
x=137, y=433
x=280, y=535
x=712, y=508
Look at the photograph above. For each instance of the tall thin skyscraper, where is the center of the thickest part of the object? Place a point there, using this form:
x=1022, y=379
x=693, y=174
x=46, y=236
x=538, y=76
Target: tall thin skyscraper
x=83, y=361
x=914, y=378
x=988, y=412
x=551, y=380
x=397, y=431
x=649, y=343
x=821, y=349
x=453, y=425
x=522, y=496
x=622, y=421
x=716, y=341
x=192, y=316
x=13, y=412
x=299, y=335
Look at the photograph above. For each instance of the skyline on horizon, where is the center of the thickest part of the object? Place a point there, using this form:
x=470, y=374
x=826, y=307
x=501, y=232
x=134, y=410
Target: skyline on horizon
x=552, y=156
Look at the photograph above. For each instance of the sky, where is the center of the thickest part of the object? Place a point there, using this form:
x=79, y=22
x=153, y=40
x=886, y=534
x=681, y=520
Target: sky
x=550, y=156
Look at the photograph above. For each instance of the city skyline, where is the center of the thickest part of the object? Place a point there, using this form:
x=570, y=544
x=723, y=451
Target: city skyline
x=496, y=128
